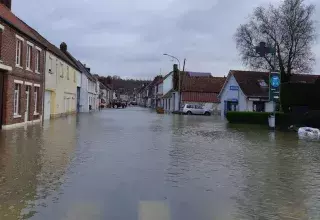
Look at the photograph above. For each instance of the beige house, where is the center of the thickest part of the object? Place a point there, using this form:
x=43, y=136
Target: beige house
x=60, y=84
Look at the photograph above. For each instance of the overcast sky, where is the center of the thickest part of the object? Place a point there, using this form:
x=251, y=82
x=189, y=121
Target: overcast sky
x=128, y=37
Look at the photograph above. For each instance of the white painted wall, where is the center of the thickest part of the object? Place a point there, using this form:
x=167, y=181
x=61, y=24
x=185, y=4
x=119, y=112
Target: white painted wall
x=79, y=79
x=84, y=105
x=244, y=103
x=167, y=84
x=176, y=101
x=228, y=94
x=160, y=88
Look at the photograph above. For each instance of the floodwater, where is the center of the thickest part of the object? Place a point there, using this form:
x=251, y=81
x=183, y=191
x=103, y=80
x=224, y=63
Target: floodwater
x=134, y=164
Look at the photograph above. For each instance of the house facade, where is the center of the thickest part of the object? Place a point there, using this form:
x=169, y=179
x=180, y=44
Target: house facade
x=159, y=93
x=105, y=95
x=62, y=81
x=171, y=94
x=22, y=67
x=201, y=89
x=88, y=94
x=246, y=91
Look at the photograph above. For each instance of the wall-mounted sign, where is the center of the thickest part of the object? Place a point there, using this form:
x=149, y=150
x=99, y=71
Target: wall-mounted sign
x=274, y=87
x=232, y=100
x=254, y=99
x=234, y=88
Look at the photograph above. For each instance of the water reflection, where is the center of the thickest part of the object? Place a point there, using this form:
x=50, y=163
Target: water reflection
x=33, y=161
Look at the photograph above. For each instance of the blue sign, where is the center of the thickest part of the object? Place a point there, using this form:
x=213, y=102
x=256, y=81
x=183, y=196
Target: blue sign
x=275, y=81
x=274, y=87
x=235, y=88
x=232, y=100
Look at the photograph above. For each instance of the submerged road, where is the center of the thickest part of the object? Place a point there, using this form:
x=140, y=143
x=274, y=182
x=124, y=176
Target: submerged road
x=134, y=164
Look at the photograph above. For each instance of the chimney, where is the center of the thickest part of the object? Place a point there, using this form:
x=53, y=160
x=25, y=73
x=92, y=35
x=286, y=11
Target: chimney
x=63, y=46
x=7, y=3
x=88, y=69
x=175, y=67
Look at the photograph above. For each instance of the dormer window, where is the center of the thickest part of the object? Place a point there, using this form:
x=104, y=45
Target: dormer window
x=262, y=83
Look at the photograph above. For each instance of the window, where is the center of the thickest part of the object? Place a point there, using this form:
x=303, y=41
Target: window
x=29, y=56
x=68, y=75
x=36, y=98
x=258, y=106
x=61, y=70
x=262, y=83
x=16, y=99
x=18, y=53
x=38, y=57
x=232, y=106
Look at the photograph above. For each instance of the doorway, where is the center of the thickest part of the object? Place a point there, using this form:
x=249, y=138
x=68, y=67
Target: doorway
x=47, y=105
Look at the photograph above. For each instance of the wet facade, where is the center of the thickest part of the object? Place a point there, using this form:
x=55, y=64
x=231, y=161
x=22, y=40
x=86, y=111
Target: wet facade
x=21, y=72
x=132, y=163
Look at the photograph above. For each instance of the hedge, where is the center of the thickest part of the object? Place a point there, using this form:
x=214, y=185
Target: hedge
x=257, y=118
x=300, y=94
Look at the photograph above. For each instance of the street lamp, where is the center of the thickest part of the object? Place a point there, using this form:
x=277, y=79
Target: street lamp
x=165, y=54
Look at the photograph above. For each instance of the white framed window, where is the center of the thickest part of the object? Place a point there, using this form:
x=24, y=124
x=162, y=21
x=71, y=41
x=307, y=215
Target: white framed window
x=68, y=74
x=36, y=98
x=38, y=63
x=16, y=99
x=19, y=53
x=29, y=57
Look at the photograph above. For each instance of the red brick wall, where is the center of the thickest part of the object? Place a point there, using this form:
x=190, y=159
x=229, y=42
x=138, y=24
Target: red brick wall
x=8, y=54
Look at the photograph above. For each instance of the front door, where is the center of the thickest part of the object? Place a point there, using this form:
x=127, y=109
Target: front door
x=47, y=105
x=26, y=114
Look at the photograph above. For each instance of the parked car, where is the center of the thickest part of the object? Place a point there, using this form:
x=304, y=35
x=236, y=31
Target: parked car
x=191, y=109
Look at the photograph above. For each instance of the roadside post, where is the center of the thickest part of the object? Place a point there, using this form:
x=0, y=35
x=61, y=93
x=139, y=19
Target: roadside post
x=274, y=95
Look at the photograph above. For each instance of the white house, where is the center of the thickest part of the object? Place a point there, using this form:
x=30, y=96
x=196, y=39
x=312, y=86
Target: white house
x=170, y=99
x=158, y=87
x=246, y=91
x=87, y=93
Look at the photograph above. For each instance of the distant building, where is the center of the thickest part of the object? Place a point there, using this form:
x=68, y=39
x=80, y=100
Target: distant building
x=201, y=89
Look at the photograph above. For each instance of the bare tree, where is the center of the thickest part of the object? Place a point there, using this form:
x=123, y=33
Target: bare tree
x=289, y=28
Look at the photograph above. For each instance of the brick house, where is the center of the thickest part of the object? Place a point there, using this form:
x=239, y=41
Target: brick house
x=22, y=65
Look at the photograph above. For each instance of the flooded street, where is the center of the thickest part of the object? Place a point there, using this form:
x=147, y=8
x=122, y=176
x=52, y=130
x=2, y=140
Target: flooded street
x=133, y=163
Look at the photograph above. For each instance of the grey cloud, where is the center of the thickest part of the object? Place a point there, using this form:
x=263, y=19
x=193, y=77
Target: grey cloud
x=128, y=38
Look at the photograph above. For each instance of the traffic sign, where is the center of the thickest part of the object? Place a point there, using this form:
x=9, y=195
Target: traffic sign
x=274, y=86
